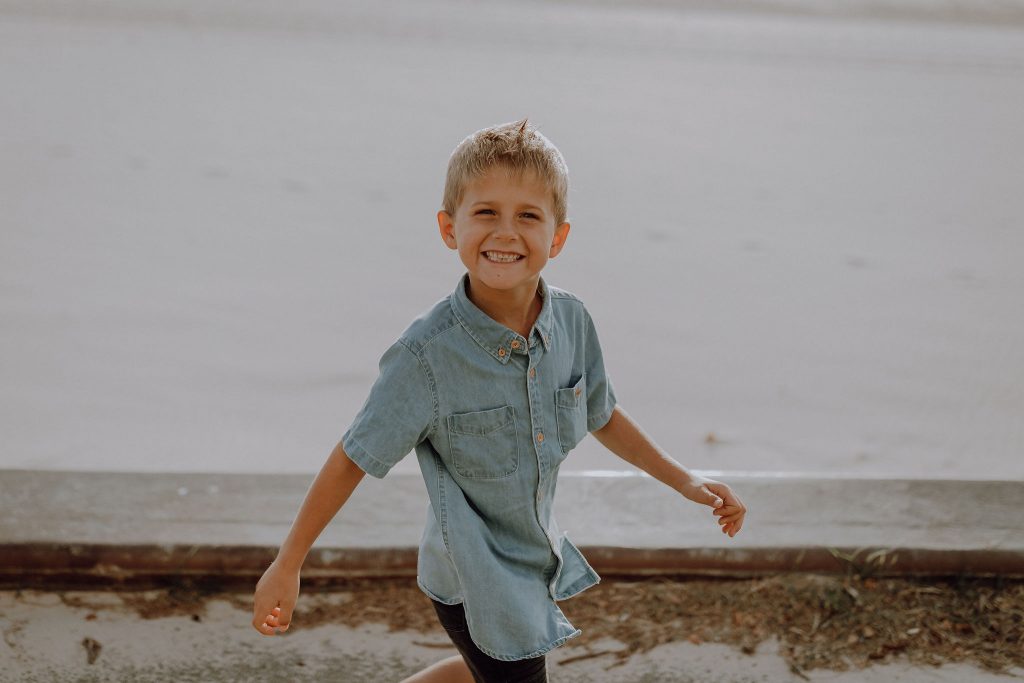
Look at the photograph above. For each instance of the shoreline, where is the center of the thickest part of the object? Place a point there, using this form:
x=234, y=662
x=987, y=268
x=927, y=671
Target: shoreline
x=310, y=14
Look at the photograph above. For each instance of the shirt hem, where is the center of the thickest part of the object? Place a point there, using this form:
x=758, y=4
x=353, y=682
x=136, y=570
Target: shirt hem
x=433, y=596
x=536, y=653
x=577, y=588
x=595, y=423
x=362, y=457
x=489, y=652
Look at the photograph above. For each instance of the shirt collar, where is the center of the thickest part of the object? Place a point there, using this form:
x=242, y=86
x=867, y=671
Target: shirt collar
x=496, y=339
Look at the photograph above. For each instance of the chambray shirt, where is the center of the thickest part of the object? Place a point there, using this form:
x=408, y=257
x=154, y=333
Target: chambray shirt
x=491, y=416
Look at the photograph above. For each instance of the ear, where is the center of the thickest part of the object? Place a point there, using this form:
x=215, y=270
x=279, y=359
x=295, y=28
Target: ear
x=446, y=225
x=558, y=241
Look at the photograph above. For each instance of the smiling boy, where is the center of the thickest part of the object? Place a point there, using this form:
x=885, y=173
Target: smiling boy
x=505, y=230
x=492, y=387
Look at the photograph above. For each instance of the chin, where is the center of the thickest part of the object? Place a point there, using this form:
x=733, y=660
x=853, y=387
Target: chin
x=500, y=282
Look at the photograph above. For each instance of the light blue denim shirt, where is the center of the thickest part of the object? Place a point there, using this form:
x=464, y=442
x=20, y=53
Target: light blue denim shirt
x=491, y=415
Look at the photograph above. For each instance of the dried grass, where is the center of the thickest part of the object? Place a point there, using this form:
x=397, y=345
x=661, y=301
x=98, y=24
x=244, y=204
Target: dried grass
x=831, y=622
x=820, y=621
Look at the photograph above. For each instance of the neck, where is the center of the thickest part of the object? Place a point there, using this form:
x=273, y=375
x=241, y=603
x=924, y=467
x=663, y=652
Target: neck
x=516, y=308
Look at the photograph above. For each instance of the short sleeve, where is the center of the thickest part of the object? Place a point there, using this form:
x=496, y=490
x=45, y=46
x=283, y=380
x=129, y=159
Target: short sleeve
x=397, y=414
x=600, y=395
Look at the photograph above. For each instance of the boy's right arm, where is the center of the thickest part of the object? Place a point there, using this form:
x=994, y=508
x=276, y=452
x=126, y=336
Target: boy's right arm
x=278, y=589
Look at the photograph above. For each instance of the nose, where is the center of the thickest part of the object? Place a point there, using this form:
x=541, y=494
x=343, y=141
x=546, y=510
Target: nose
x=506, y=228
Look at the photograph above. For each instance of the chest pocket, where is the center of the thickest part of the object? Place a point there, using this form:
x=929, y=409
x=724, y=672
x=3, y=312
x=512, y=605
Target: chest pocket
x=484, y=444
x=571, y=414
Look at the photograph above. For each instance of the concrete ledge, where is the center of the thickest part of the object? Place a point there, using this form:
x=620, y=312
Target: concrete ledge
x=102, y=528
x=46, y=565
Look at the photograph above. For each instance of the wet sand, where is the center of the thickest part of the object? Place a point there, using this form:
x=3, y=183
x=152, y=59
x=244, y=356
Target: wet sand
x=800, y=238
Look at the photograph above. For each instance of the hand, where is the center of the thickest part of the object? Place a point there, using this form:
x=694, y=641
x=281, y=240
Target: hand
x=727, y=505
x=276, y=594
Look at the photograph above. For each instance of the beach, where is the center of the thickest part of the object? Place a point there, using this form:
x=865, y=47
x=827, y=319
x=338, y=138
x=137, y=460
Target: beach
x=800, y=237
x=357, y=635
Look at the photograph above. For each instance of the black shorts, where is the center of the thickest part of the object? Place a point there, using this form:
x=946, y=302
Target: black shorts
x=487, y=669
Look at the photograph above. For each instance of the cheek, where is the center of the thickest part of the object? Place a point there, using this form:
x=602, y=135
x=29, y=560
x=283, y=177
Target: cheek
x=542, y=247
x=468, y=253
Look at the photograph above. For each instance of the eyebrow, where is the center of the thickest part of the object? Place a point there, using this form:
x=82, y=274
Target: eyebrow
x=524, y=206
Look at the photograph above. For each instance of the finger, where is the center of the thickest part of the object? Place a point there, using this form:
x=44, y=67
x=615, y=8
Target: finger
x=734, y=527
x=719, y=489
x=726, y=493
x=733, y=513
x=284, y=618
x=258, y=619
x=730, y=518
x=710, y=497
x=261, y=620
x=262, y=608
x=263, y=615
x=275, y=622
x=265, y=628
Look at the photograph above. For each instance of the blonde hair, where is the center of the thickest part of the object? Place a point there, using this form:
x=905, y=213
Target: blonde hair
x=519, y=148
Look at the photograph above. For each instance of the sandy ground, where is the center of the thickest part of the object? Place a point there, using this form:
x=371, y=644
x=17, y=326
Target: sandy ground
x=799, y=235
x=49, y=636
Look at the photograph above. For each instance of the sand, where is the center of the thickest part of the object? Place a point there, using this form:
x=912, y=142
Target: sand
x=799, y=237
x=52, y=636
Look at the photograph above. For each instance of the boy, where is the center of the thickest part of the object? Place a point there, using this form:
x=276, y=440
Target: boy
x=492, y=387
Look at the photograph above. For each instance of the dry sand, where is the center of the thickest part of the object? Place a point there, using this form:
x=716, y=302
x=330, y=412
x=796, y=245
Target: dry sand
x=801, y=236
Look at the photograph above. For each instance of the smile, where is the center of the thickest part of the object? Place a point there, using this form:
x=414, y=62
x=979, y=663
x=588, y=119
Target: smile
x=502, y=257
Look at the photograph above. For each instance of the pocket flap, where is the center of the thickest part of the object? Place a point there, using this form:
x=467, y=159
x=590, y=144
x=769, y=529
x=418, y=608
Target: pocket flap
x=481, y=423
x=574, y=396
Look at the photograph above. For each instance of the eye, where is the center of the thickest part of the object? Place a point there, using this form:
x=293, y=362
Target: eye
x=531, y=215
x=484, y=211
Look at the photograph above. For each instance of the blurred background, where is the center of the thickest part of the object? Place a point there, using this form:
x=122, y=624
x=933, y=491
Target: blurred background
x=799, y=228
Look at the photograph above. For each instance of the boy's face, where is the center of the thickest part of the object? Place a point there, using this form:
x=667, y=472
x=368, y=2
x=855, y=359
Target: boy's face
x=504, y=230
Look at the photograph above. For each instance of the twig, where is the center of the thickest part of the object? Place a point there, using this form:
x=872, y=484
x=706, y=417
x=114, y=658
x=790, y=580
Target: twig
x=591, y=655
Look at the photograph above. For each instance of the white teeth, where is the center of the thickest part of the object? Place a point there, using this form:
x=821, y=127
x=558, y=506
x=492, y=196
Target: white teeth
x=500, y=257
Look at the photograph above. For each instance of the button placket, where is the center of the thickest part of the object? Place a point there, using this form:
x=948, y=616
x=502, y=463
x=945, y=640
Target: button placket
x=534, y=398
x=535, y=353
x=535, y=412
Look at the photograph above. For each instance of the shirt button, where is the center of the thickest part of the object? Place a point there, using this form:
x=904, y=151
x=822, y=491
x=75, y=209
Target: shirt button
x=515, y=343
x=540, y=437
x=578, y=391
x=501, y=351
x=533, y=372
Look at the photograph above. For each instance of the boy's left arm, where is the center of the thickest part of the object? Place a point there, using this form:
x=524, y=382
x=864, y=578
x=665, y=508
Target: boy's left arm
x=623, y=437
